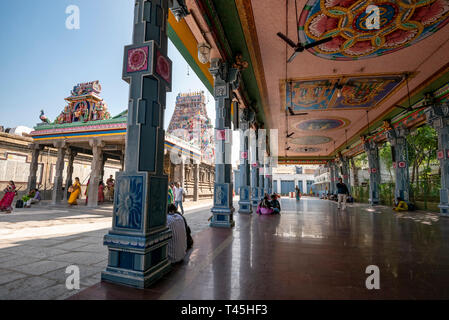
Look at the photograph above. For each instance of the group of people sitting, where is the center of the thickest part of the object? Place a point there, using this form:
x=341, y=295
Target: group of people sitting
x=75, y=191
x=267, y=206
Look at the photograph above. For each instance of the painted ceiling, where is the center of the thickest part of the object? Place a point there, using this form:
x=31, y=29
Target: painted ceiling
x=402, y=24
x=356, y=92
x=345, y=89
x=344, y=85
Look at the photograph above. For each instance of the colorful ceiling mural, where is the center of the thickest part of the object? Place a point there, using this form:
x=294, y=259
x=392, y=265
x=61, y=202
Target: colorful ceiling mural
x=311, y=140
x=322, y=124
x=307, y=150
x=402, y=24
x=345, y=92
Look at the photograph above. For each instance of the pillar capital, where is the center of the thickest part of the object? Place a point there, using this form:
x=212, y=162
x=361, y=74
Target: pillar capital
x=96, y=143
x=60, y=144
x=437, y=116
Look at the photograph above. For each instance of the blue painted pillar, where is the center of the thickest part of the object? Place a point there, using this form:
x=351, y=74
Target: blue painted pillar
x=269, y=176
x=226, y=80
x=254, y=168
x=331, y=165
x=438, y=118
x=261, y=150
x=138, y=240
x=397, y=138
x=245, y=205
x=344, y=162
x=372, y=152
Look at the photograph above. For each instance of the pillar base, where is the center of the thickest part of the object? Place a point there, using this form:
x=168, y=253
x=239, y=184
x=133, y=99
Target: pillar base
x=222, y=218
x=245, y=201
x=255, y=197
x=136, y=261
x=223, y=208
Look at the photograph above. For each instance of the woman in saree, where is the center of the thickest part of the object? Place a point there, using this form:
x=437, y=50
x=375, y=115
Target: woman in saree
x=10, y=193
x=75, y=191
x=101, y=192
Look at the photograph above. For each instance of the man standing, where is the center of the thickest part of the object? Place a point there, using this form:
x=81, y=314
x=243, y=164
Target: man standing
x=179, y=196
x=342, y=191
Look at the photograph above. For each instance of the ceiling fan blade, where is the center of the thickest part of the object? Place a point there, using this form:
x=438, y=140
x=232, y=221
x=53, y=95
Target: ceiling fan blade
x=286, y=39
x=291, y=111
x=301, y=114
x=317, y=43
x=289, y=135
x=293, y=56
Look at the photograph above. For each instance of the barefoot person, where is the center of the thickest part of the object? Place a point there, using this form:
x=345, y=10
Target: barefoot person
x=10, y=193
x=75, y=191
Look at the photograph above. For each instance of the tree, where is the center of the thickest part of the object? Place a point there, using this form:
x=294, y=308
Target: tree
x=422, y=148
x=386, y=157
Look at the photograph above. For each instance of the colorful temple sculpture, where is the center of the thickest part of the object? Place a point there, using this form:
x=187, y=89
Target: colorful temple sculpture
x=191, y=123
x=85, y=128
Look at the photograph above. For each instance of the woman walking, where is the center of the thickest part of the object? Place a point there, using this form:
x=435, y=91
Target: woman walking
x=75, y=191
x=10, y=193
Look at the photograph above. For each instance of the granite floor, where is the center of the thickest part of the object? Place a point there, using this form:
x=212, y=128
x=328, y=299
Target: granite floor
x=38, y=244
x=311, y=251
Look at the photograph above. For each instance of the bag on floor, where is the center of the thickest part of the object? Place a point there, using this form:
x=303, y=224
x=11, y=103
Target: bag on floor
x=19, y=204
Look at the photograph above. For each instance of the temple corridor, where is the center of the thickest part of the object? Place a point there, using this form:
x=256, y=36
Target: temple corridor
x=311, y=251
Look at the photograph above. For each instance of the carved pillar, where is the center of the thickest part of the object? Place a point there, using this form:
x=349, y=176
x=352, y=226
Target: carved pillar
x=69, y=179
x=244, y=168
x=57, y=194
x=104, y=159
x=332, y=175
x=355, y=172
x=138, y=240
x=438, y=118
x=95, y=173
x=261, y=150
x=399, y=152
x=226, y=80
x=34, y=165
x=196, y=181
x=266, y=183
x=270, y=176
x=344, y=161
x=372, y=152
x=254, y=168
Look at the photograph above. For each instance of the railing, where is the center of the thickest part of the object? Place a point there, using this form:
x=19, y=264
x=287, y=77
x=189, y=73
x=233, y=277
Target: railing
x=425, y=194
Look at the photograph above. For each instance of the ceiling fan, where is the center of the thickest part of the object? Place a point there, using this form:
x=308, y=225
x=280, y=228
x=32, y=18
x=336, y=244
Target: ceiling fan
x=429, y=98
x=299, y=47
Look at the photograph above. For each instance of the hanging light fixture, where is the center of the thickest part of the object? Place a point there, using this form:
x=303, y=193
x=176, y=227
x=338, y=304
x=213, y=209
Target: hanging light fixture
x=204, y=52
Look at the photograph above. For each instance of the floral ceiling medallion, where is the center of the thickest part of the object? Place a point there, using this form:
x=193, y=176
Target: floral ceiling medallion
x=402, y=24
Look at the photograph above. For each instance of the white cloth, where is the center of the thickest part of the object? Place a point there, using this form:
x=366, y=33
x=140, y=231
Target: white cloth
x=177, y=245
x=341, y=201
x=178, y=193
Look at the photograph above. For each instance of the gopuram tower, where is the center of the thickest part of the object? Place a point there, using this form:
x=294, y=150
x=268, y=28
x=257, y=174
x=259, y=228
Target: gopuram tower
x=191, y=123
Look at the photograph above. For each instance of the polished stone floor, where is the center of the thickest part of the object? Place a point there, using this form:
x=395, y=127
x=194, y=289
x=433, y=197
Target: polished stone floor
x=311, y=251
x=38, y=244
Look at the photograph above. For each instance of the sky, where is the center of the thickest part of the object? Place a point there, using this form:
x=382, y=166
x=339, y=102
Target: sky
x=41, y=60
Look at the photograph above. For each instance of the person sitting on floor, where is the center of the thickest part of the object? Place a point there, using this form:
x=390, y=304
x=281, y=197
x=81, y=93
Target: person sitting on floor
x=35, y=199
x=264, y=207
x=401, y=205
x=29, y=196
x=275, y=205
x=177, y=245
x=189, y=239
